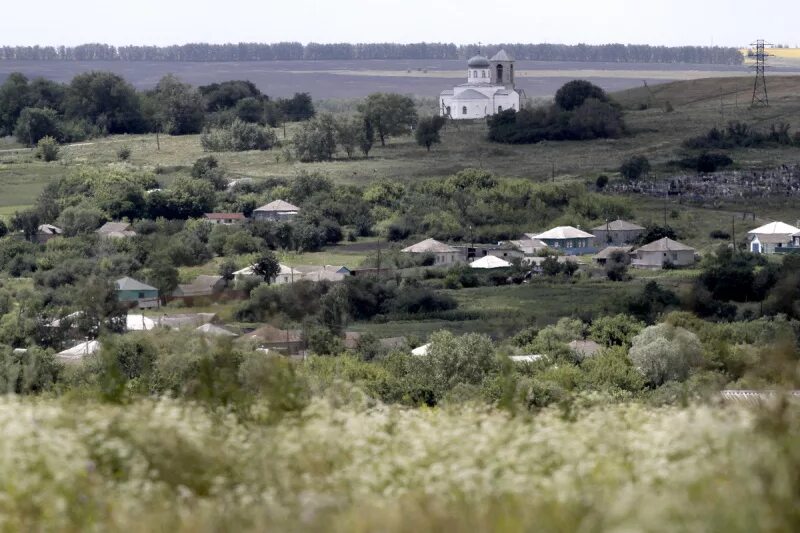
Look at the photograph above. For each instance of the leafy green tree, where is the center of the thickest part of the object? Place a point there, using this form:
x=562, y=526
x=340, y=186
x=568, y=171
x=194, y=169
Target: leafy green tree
x=250, y=110
x=107, y=101
x=573, y=94
x=162, y=274
x=225, y=95
x=28, y=372
x=14, y=97
x=664, y=353
x=297, y=108
x=635, y=167
x=389, y=114
x=76, y=220
x=347, y=134
x=427, y=132
x=179, y=107
x=316, y=140
x=611, y=369
x=101, y=311
x=3, y=229
x=617, y=330
x=267, y=266
x=26, y=221
x=226, y=270
x=35, y=124
x=366, y=137
x=617, y=266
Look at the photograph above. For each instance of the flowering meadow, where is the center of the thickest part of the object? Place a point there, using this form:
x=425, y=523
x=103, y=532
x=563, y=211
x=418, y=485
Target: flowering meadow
x=345, y=463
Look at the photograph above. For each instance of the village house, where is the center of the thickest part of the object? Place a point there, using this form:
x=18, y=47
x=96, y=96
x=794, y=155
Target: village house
x=116, y=230
x=214, y=330
x=45, y=232
x=664, y=252
x=277, y=211
x=772, y=238
x=571, y=241
x=443, y=254
x=136, y=294
x=616, y=233
x=227, y=219
x=203, y=285
x=287, y=342
x=78, y=352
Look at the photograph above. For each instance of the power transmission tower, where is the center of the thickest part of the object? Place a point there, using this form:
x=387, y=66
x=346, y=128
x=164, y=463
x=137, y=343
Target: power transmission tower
x=760, y=97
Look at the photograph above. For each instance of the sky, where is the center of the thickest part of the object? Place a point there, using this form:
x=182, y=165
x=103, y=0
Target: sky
x=165, y=22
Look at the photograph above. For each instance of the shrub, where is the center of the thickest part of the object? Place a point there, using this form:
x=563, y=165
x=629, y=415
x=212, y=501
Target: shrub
x=241, y=136
x=123, y=153
x=634, y=167
x=47, y=149
x=664, y=353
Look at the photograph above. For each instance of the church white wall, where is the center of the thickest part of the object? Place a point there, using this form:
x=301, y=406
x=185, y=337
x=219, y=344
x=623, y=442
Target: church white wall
x=479, y=108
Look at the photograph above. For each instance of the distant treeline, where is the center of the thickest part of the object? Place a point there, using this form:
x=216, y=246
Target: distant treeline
x=611, y=53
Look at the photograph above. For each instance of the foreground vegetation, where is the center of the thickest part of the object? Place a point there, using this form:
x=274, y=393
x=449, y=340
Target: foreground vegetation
x=344, y=464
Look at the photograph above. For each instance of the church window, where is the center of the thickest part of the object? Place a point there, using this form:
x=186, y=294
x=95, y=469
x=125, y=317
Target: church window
x=474, y=73
x=499, y=108
x=499, y=73
x=483, y=74
x=448, y=111
x=464, y=110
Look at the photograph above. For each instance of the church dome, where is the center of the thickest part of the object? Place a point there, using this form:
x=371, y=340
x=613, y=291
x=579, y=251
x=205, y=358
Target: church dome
x=478, y=61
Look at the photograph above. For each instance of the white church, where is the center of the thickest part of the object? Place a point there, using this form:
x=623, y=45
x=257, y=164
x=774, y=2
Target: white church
x=489, y=89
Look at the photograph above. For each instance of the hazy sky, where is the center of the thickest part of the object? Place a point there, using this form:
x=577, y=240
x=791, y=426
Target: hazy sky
x=162, y=22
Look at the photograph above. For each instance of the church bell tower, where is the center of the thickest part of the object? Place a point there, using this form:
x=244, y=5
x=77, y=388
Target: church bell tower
x=501, y=68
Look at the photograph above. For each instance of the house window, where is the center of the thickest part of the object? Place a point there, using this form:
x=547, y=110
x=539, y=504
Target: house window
x=674, y=256
x=141, y=295
x=464, y=110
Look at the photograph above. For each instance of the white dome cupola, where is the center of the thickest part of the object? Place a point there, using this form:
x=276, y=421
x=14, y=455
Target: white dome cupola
x=478, y=69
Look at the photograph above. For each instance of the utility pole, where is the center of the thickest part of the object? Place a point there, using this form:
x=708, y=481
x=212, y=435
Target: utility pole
x=733, y=233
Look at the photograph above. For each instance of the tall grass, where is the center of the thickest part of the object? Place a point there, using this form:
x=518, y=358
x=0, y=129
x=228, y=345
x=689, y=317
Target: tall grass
x=348, y=465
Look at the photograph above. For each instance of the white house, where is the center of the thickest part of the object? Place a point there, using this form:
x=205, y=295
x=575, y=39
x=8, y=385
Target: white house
x=489, y=89
x=286, y=275
x=279, y=210
x=443, y=254
x=769, y=238
x=662, y=252
x=616, y=233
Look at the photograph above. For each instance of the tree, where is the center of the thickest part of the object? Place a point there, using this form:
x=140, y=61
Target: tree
x=267, y=267
x=297, y=108
x=389, y=113
x=3, y=230
x=162, y=275
x=635, y=167
x=14, y=97
x=76, y=220
x=250, y=110
x=551, y=266
x=348, y=131
x=179, y=107
x=573, y=94
x=35, y=124
x=27, y=222
x=617, y=330
x=427, y=132
x=664, y=353
x=366, y=137
x=617, y=266
x=107, y=101
x=316, y=140
x=226, y=270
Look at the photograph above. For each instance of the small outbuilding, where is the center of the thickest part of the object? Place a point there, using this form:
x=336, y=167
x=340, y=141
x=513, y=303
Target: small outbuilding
x=78, y=352
x=278, y=210
x=664, y=252
x=605, y=254
x=116, y=230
